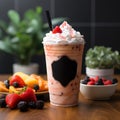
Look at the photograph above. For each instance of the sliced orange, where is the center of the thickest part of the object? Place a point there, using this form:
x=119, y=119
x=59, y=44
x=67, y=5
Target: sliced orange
x=3, y=87
x=30, y=82
x=43, y=84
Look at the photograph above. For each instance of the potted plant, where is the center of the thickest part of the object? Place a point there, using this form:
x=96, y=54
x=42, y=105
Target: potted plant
x=22, y=37
x=101, y=61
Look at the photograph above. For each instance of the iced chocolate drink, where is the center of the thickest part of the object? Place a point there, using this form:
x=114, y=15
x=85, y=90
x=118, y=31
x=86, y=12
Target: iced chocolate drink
x=63, y=51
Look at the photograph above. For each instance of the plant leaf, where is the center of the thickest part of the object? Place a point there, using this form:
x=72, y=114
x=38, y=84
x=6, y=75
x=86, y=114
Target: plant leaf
x=14, y=17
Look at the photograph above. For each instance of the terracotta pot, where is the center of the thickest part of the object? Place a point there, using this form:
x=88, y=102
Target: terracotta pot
x=32, y=68
x=102, y=73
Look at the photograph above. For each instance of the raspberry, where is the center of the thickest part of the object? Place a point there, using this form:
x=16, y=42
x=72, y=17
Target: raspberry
x=57, y=30
x=96, y=78
x=91, y=79
x=91, y=83
x=108, y=82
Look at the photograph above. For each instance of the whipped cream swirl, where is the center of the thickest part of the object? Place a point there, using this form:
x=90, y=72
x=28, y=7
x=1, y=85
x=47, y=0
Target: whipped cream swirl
x=68, y=36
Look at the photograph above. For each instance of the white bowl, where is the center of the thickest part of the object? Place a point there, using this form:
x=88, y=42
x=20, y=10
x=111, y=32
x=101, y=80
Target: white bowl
x=98, y=92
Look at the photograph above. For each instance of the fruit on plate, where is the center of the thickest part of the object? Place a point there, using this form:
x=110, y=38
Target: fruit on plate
x=3, y=87
x=28, y=95
x=98, y=81
x=30, y=82
x=12, y=100
x=12, y=89
x=24, y=100
x=43, y=84
x=22, y=75
x=19, y=80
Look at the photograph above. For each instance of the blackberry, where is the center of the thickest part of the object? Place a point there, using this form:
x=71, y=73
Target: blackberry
x=86, y=80
x=6, y=82
x=114, y=80
x=23, y=106
x=36, y=87
x=32, y=104
x=40, y=104
x=99, y=82
x=2, y=103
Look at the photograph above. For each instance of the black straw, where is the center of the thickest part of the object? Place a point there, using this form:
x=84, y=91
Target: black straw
x=49, y=19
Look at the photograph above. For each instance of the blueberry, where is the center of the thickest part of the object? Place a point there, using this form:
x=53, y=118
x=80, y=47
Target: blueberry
x=32, y=104
x=114, y=80
x=99, y=82
x=86, y=80
x=16, y=84
x=23, y=106
x=6, y=82
x=36, y=87
x=40, y=104
x=2, y=103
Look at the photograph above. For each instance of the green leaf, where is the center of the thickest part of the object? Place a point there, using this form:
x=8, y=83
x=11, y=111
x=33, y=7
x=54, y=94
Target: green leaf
x=14, y=17
x=4, y=47
x=102, y=57
x=33, y=26
x=39, y=10
x=23, y=37
x=11, y=30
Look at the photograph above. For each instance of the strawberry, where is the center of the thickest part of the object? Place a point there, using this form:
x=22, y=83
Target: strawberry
x=91, y=79
x=17, y=79
x=28, y=95
x=107, y=82
x=12, y=100
x=91, y=82
x=56, y=30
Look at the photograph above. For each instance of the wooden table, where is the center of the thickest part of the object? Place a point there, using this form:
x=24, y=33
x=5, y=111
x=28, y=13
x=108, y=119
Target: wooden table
x=86, y=110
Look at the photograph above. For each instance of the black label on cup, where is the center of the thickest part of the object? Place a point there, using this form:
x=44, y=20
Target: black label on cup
x=64, y=70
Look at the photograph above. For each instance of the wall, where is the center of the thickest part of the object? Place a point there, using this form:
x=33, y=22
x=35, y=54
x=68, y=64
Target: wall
x=97, y=20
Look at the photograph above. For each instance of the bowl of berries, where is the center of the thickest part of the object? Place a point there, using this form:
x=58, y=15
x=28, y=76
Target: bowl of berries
x=98, y=88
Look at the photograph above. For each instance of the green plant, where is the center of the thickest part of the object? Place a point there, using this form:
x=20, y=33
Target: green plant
x=102, y=57
x=22, y=37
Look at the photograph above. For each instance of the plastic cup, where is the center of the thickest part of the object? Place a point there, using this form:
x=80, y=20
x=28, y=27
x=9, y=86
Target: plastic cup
x=63, y=64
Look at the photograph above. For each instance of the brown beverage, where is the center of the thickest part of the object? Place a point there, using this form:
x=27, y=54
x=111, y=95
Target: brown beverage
x=63, y=63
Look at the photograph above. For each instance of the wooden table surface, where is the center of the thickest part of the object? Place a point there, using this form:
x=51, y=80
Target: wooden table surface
x=86, y=110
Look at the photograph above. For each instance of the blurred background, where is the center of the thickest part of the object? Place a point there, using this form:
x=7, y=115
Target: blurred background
x=97, y=20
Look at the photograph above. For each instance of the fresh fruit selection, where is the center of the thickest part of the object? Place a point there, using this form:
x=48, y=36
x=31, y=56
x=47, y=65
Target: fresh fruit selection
x=22, y=88
x=98, y=81
x=20, y=91
x=24, y=100
x=19, y=80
